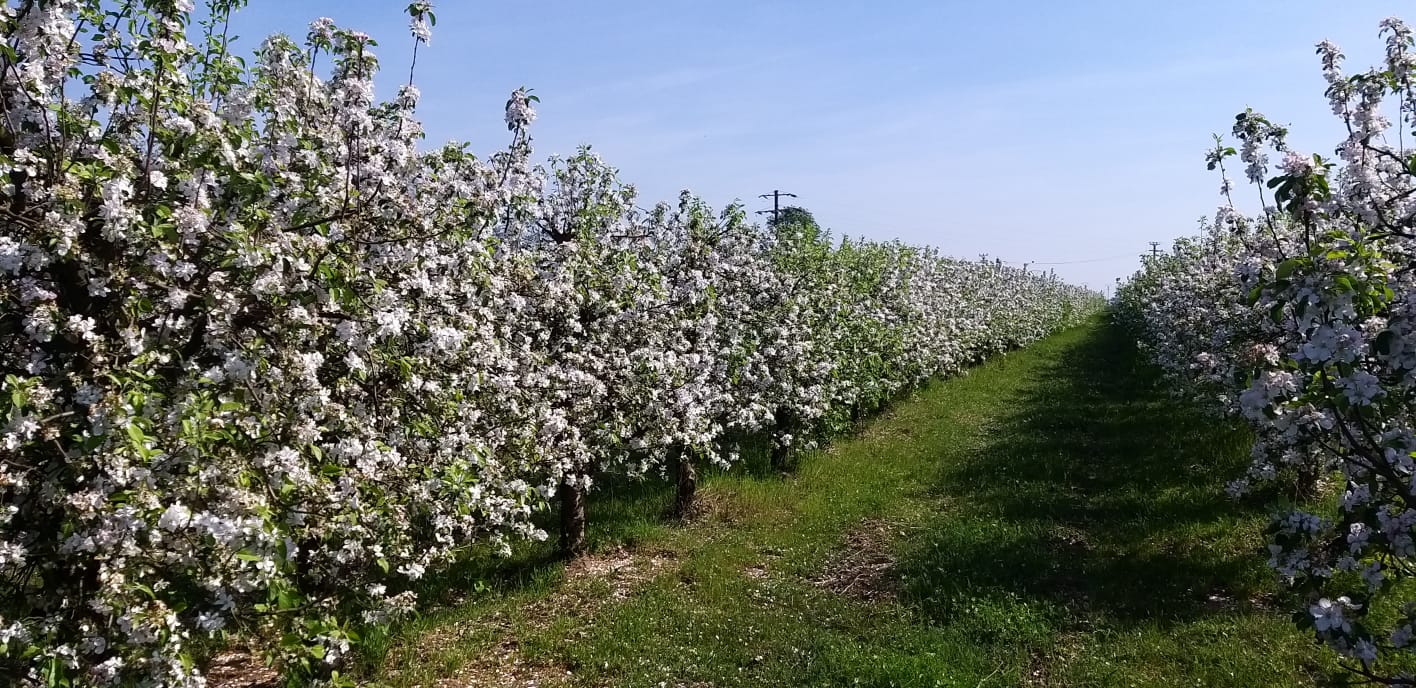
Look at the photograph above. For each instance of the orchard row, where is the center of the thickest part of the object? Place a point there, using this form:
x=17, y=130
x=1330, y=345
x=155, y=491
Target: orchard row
x=268, y=360
x=1302, y=321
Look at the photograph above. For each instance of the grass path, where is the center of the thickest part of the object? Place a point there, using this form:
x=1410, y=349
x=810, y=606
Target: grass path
x=1050, y=519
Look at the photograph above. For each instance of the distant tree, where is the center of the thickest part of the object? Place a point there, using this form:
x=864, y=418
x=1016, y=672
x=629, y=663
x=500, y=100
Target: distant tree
x=793, y=215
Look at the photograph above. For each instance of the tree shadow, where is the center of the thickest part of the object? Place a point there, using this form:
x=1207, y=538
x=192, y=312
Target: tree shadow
x=1097, y=499
x=621, y=512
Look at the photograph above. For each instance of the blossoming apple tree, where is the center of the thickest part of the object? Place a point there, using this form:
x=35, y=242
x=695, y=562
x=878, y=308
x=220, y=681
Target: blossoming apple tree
x=268, y=358
x=1301, y=320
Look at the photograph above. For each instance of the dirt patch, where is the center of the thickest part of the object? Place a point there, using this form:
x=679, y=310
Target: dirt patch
x=1069, y=538
x=1048, y=667
x=1221, y=600
x=712, y=507
x=590, y=582
x=505, y=668
x=865, y=567
x=1039, y=671
x=240, y=669
x=622, y=570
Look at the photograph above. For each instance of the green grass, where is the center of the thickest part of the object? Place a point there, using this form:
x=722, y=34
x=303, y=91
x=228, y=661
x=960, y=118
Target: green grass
x=1052, y=518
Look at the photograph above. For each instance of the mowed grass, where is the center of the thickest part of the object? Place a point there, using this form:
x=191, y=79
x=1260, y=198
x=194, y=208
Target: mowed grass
x=1050, y=519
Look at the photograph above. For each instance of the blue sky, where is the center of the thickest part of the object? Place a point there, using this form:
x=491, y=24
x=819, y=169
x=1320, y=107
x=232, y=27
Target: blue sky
x=1031, y=131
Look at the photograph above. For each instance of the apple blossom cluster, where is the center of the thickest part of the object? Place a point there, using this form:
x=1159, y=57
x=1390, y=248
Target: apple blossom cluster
x=1302, y=320
x=268, y=360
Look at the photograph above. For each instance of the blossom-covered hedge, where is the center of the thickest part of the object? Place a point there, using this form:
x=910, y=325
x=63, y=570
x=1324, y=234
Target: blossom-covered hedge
x=1302, y=320
x=268, y=359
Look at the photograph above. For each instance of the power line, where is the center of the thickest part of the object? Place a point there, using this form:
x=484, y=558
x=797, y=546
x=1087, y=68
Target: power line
x=1087, y=260
x=776, y=197
x=1068, y=262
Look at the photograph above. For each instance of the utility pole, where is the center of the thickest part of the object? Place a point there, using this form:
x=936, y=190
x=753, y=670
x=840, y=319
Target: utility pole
x=776, y=197
x=1155, y=249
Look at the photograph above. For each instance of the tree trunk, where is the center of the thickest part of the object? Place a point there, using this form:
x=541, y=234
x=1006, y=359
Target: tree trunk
x=780, y=453
x=687, y=479
x=779, y=456
x=1305, y=486
x=572, y=517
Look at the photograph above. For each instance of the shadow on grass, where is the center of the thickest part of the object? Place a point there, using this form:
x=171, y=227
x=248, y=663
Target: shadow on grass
x=620, y=512
x=1097, y=501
